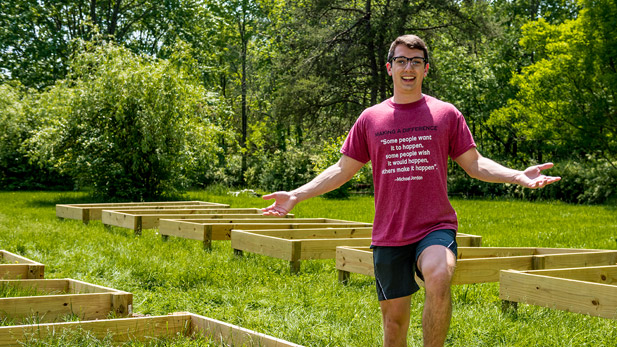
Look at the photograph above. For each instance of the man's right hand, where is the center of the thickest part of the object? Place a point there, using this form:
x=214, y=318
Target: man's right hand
x=284, y=202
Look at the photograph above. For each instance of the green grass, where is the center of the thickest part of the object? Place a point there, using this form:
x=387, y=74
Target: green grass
x=311, y=308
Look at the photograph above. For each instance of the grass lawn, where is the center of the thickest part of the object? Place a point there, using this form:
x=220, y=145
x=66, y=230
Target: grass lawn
x=311, y=308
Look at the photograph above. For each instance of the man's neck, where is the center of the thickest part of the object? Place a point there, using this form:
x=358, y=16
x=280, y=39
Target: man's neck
x=397, y=98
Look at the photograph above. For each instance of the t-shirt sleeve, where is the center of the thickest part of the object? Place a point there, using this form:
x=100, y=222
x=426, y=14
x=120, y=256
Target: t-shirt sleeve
x=461, y=139
x=356, y=144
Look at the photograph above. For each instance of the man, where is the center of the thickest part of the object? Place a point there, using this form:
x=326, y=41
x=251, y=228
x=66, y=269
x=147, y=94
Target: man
x=408, y=138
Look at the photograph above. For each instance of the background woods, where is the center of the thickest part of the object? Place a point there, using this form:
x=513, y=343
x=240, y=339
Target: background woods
x=143, y=99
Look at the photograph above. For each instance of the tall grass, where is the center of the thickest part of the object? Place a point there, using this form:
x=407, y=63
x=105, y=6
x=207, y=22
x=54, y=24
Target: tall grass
x=311, y=308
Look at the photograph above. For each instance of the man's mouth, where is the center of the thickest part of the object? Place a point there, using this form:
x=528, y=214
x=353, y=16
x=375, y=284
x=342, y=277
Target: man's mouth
x=408, y=78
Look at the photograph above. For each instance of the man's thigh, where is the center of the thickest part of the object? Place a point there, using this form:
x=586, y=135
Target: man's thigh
x=437, y=254
x=394, y=268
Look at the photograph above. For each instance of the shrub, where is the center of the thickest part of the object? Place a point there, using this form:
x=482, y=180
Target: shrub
x=286, y=170
x=590, y=181
x=17, y=171
x=330, y=155
x=132, y=127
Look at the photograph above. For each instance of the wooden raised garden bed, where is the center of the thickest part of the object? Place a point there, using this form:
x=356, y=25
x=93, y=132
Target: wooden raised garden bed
x=483, y=264
x=63, y=297
x=88, y=212
x=146, y=329
x=295, y=245
x=13, y=266
x=207, y=230
x=587, y=290
x=138, y=220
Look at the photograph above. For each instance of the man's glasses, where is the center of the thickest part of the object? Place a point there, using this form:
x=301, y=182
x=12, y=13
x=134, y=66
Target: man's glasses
x=402, y=61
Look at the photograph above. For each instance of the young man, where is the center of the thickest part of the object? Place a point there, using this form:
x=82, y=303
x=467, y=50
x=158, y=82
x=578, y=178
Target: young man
x=408, y=138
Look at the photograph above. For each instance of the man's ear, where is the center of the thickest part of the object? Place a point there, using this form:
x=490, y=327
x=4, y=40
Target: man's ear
x=426, y=69
x=389, y=69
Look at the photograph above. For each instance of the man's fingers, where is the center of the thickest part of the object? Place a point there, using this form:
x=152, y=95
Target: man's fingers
x=545, y=166
x=543, y=181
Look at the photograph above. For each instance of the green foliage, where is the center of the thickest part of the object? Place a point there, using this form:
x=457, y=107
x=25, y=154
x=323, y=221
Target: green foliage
x=565, y=105
x=132, y=127
x=589, y=181
x=17, y=171
x=330, y=155
x=286, y=170
x=37, y=37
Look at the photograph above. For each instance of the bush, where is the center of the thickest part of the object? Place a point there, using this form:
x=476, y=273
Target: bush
x=17, y=171
x=131, y=127
x=590, y=181
x=286, y=170
x=330, y=155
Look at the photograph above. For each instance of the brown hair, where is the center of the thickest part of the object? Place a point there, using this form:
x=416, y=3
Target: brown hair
x=412, y=42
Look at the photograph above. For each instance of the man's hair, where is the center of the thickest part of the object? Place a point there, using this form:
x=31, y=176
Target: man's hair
x=412, y=42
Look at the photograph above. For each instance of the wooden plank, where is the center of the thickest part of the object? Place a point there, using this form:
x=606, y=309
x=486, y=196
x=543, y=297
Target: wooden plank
x=14, y=271
x=303, y=244
x=96, y=213
x=49, y=308
x=485, y=252
x=482, y=270
x=138, y=221
x=594, y=299
x=145, y=329
x=355, y=259
x=262, y=244
x=183, y=229
x=606, y=274
x=41, y=285
x=64, y=297
x=18, y=267
x=120, y=330
x=232, y=335
x=321, y=222
x=468, y=240
x=16, y=259
x=80, y=287
x=479, y=265
x=87, y=212
x=153, y=221
x=326, y=248
x=568, y=260
x=314, y=233
x=122, y=220
x=72, y=212
x=187, y=211
x=221, y=229
x=542, y=251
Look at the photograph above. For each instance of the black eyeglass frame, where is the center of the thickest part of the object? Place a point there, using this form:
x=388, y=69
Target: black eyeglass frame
x=408, y=59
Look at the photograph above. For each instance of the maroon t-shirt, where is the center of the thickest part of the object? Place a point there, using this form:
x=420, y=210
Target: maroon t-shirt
x=409, y=145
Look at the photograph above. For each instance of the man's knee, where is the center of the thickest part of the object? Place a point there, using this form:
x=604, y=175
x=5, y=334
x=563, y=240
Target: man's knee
x=437, y=265
x=396, y=311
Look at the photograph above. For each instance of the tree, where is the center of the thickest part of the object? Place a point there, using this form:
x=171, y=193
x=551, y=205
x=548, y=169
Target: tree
x=36, y=35
x=132, y=127
x=565, y=104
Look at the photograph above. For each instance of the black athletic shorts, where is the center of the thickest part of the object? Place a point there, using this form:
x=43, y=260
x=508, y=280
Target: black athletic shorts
x=395, y=266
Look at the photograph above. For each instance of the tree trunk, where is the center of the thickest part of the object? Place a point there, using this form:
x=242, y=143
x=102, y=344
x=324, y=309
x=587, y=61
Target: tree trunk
x=244, y=39
x=370, y=45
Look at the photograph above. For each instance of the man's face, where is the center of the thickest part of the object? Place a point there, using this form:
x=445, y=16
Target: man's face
x=407, y=78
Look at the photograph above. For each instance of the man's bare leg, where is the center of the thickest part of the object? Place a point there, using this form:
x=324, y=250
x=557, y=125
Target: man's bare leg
x=437, y=265
x=395, y=315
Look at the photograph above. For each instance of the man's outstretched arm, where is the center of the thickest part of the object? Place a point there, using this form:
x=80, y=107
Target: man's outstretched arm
x=330, y=179
x=487, y=170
